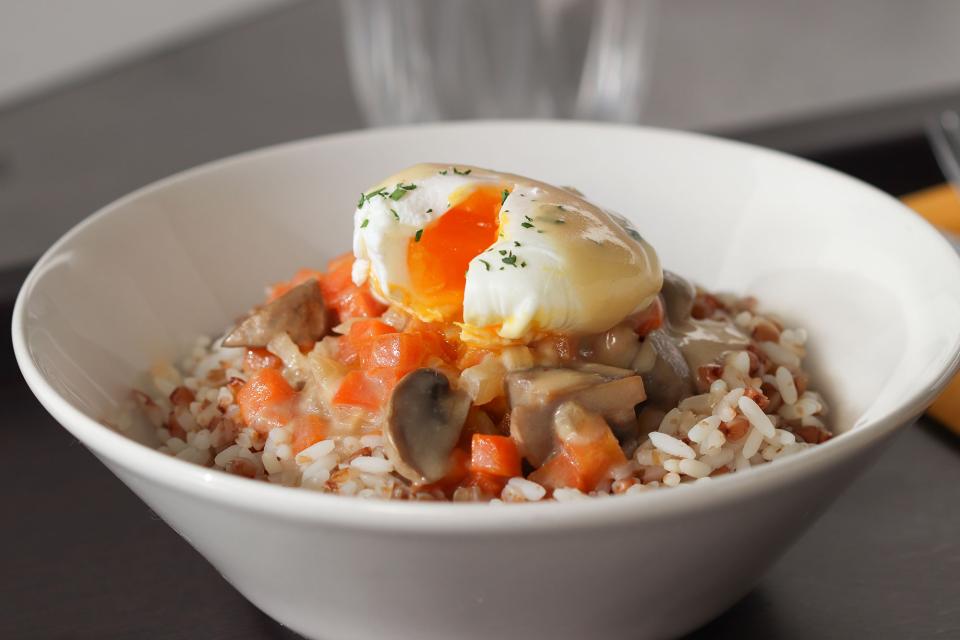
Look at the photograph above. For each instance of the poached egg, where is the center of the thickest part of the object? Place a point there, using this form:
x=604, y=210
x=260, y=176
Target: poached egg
x=506, y=257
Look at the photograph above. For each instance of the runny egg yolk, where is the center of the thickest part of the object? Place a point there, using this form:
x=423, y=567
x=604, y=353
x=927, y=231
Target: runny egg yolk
x=438, y=258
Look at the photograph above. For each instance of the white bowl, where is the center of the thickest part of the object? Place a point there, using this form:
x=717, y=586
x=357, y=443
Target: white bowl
x=877, y=288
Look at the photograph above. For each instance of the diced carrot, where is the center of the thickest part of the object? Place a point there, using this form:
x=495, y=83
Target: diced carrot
x=359, y=390
x=435, y=343
x=265, y=400
x=401, y=351
x=488, y=484
x=308, y=429
x=494, y=455
x=585, y=457
x=357, y=302
x=259, y=358
x=650, y=319
x=354, y=344
x=338, y=277
x=593, y=460
x=386, y=378
x=343, y=296
x=557, y=472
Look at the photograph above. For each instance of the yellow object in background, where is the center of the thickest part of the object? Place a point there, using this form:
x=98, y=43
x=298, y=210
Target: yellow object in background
x=941, y=207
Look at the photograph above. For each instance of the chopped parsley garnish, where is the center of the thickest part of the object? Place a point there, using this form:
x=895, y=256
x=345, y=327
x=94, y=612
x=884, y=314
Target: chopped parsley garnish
x=416, y=237
x=394, y=212
x=365, y=223
x=367, y=197
x=516, y=244
x=462, y=173
x=503, y=252
x=486, y=264
x=503, y=197
x=528, y=218
x=526, y=225
x=523, y=264
x=401, y=190
x=429, y=210
x=443, y=172
x=510, y=259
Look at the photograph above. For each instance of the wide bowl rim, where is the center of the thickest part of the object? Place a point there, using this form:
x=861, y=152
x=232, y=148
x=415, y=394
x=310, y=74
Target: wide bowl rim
x=296, y=504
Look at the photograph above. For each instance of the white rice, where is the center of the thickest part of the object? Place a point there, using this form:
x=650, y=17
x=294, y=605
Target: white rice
x=670, y=445
x=702, y=437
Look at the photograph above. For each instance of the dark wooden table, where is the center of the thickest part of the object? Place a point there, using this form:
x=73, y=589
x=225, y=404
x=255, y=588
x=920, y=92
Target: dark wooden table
x=84, y=558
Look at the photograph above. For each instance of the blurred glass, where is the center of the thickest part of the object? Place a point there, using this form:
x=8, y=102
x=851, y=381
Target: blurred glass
x=422, y=60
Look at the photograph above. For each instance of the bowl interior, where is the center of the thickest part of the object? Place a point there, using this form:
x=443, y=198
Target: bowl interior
x=876, y=288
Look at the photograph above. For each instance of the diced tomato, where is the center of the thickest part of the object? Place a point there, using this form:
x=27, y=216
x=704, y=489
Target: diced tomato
x=494, y=455
x=265, y=400
x=308, y=429
x=359, y=390
x=259, y=358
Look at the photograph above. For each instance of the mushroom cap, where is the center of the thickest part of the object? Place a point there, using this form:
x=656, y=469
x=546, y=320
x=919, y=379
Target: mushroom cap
x=424, y=418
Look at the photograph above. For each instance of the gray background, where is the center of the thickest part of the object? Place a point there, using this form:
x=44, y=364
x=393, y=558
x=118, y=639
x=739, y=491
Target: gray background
x=264, y=72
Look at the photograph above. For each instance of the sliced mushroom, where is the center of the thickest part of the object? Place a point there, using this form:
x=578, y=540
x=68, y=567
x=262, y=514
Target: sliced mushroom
x=535, y=395
x=424, y=418
x=678, y=295
x=670, y=379
x=300, y=313
x=604, y=370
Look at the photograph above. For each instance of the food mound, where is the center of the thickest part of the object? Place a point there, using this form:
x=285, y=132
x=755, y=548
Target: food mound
x=490, y=338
